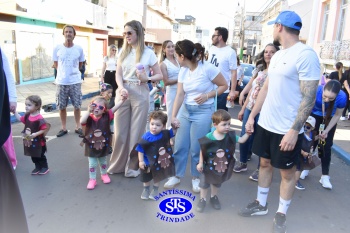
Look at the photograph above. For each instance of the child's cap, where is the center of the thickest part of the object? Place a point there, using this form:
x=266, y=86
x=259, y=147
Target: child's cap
x=312, y=121
x=105, y=87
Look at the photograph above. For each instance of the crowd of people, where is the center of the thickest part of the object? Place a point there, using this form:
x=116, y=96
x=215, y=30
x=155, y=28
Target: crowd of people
x=284, y=132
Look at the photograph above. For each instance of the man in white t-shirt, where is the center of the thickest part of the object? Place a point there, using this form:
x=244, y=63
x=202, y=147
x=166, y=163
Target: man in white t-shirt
x=68, y=59
x=285, y=101
x=225, y=58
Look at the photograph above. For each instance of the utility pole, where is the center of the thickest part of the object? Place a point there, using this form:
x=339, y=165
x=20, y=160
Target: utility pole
x=144, y=16
x=242, y=32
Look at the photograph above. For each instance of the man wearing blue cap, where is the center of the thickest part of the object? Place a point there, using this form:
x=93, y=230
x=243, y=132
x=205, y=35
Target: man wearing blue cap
x=285, y=101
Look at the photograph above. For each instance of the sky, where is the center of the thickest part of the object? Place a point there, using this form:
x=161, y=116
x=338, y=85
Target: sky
x=210, y=15
x=214, y=13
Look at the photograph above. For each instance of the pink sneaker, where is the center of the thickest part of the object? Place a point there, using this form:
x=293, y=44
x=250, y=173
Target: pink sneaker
x=105, y=178
x=91, y=185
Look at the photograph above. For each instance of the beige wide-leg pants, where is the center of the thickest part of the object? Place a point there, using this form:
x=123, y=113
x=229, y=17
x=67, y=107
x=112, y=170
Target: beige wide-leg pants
x=129, y=126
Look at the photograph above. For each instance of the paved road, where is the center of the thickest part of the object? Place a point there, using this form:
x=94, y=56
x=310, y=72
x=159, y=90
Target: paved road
x=59, y=202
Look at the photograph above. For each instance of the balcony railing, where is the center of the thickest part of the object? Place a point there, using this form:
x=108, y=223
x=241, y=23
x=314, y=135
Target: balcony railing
x=336, y=50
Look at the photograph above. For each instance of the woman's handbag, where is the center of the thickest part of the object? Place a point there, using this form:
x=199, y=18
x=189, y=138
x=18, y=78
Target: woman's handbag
x=312, y=161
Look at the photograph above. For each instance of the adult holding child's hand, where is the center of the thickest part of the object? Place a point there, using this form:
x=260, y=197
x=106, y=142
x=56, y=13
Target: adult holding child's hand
x=193, y=107
x=130, y=120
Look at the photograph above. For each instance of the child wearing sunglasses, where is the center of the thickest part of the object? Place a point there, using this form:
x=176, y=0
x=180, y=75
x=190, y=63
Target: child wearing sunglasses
x=306, y=149
x=97, y=137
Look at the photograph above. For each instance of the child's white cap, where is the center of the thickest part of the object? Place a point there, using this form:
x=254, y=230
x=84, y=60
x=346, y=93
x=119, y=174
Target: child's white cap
x=311, y=120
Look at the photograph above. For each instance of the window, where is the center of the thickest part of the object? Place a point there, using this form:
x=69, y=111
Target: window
x=341, y=24
x=249, y=18
x=325, y=21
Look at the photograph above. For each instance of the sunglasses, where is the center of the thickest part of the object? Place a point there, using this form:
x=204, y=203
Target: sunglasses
x=129, y=33
x=307, y=127
x=114, y=50
x=214, y=36
x=100, y=107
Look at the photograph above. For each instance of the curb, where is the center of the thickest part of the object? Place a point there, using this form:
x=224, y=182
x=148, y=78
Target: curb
x=341, y=154
x=54, y=106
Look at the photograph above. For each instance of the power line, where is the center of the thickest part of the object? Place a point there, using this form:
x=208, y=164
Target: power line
x=262, y=6
x=272, y=2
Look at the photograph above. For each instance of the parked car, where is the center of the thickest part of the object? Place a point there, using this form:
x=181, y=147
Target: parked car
x=248, y=69
x=248, y=73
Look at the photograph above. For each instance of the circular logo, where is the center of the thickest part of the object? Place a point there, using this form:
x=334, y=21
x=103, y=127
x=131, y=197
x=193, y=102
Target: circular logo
x=175, y=206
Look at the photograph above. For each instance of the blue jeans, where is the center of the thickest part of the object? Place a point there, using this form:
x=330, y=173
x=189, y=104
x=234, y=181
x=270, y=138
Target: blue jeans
x=195, y=122
x=246, y=147
x=221, y=101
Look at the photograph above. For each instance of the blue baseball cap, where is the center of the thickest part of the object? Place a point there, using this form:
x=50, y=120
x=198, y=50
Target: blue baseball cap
x=289, y=19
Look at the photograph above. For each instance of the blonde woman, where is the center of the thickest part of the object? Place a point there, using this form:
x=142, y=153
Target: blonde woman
x=108, y=70
x=130, y=120
x=170, y=68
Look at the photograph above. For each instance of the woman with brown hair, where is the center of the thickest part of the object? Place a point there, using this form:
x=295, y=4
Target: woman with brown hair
x=337, y=75
x=253, y=87
x=198, y=84
x=329, y=105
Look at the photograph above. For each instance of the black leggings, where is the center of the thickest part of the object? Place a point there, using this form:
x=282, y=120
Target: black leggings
x=347, y=106
x=110, y=79
x=325, y=155
x=41, y=162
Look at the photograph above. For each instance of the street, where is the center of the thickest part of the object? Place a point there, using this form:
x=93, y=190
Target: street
x=59, y=201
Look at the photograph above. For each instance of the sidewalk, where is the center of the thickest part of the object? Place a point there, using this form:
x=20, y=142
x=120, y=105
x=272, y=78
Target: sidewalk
x=47, y=92
x=90, y=88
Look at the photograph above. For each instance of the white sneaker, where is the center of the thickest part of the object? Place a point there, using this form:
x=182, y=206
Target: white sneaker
x=343, y=118
x=195, y=185
x=325, y=182
x=304, y=174
x=132, y=173
x=172, y=182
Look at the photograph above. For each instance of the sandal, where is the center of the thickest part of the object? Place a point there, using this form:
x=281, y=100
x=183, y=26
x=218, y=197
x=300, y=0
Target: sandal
x=79, y=131
x=61, y=133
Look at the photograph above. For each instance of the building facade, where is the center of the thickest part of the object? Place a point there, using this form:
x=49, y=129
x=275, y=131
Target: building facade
x=302, y=8
x=30, y=29
x=247, y=33
x=332, y=39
